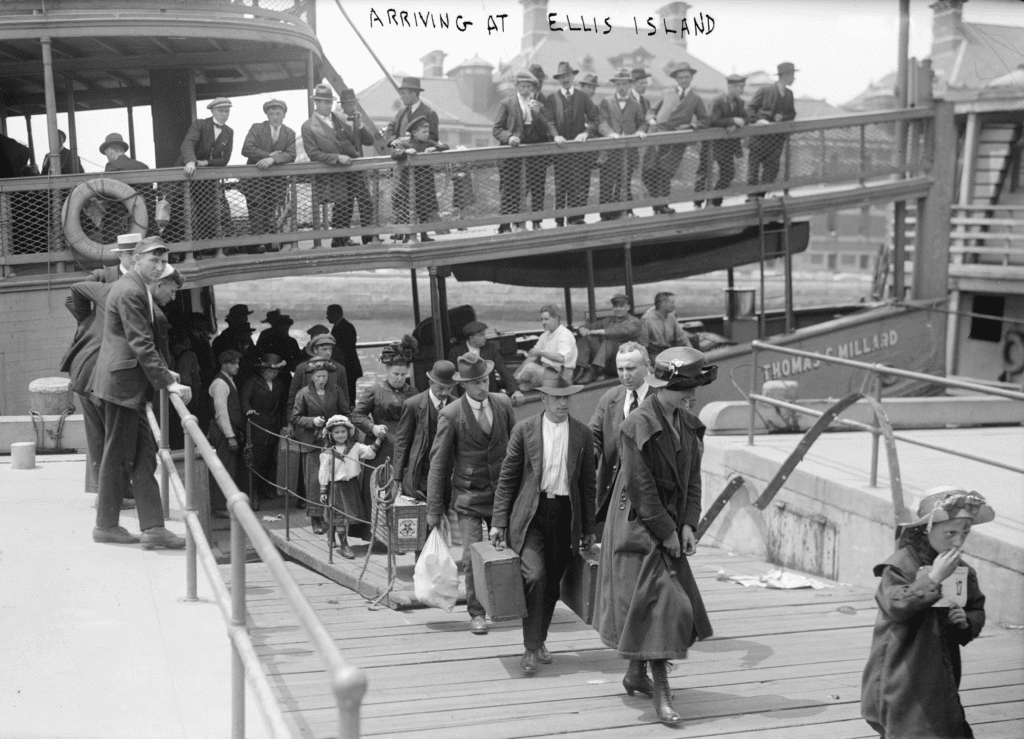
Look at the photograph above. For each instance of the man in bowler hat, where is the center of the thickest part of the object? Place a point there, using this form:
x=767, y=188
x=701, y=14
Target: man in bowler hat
x=417, y=429
x=115, y=149
x=472, y=437
x=770, y=104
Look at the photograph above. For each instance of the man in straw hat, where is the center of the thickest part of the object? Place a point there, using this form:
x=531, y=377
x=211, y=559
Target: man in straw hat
x=571, y=114
x=770, y=104
x=679, y=109
x=267, y=143
x=648, y=607
x=621, y=115
x=472, y=437
x=128, y=369
x=397, y=132
x=544, y=506
x=125, y=251
x=208, y=143
x=115, y=149
x=417, y=429
x=521, y=119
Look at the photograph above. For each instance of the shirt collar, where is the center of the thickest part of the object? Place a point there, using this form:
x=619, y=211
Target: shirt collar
x=434, y=400
x=681, y=91
x=549, y=422
x=478, y=404
x=325, y=118
x=568, y=92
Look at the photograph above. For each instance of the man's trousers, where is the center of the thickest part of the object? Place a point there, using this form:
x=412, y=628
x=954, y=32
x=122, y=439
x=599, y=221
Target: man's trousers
x=546, y=553
x=472, y=529
x=129, y=462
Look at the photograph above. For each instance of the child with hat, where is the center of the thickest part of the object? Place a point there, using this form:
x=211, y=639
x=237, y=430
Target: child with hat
x=912, y=678
x=423, y=191
x=339, y=477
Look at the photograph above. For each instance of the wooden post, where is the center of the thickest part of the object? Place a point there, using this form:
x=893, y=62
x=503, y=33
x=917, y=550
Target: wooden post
x=131, y=130
x=435, y=313
x=442, y=293
x=415, y=299
x=310, y=82
x=899, y=252
x=970, y=165
x=628, y=255
x=51, y=106
x=591, y=300
x=787, y=268
x=72, y=127
x=931, y=265
x=31, y=142
x=568, y=306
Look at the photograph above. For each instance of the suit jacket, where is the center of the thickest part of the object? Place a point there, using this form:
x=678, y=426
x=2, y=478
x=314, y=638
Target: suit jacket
x=399, y=127
x=626, y=121
x=106, y=274
x=471, y=461
x=69, y=163
x=604, y=425
x=199, y=144
x=571, y=117
x=508, y=122
x=124, y=163
x=768, y=101
x=672, y=113
x=488, y=351
x=416, y=431
x=345, y=338
x=88, y=304
x=518, y=493
x=308, y=407
x=259, y=145
x=129, y=365
x=271, y=406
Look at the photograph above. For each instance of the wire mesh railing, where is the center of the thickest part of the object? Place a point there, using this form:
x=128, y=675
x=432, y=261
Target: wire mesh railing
x=230, y=210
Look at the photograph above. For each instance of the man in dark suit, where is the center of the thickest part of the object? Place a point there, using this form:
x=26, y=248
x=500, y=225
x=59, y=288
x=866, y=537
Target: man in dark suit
x=208, y=143
x=128, y=368
x=345, y=352
x=728, y=111
x=472, y=436
x=633, y=365
x=69, y=163
x=397, y=132
x=544, y=506
x=521, y=120
x=238, y=336
x=476, y=343
x=417, y=429
x=770, y=104
x=116, y=217
x=115, y=149
x=679, y=109
x=267, y=144
x=571, y=114
x=125, y=251
x=621, y=115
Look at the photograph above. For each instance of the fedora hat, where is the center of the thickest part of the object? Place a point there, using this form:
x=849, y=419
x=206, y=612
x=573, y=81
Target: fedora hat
x=218, y=103
x=682, y=368
x=272, y=317
x=443, y=373
x=564, y=68
x=472, y=367
x=621, y=75
x=538, y=71
x=410, y=83
x=524, y=76
x=589, y=79
x=113, y=139
x=787, y=68
x=271, y=361
x=323, y=92
x=947, y=502
x=238, y=312
x=553, y=383
x=348, y=95
x=676, y=69
x=275, y=103
x=639, y=73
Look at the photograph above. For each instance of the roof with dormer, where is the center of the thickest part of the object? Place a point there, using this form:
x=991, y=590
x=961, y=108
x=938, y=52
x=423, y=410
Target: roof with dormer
x=988, y=51
x=380, y=101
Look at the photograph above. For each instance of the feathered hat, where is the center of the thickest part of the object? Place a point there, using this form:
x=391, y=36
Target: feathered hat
x=400, y=352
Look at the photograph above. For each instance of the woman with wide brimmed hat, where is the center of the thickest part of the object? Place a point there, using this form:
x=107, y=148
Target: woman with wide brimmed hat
x=265, y=407
x=648, y=606
x=339, y=478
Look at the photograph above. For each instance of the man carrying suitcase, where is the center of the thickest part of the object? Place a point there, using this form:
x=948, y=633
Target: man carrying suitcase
x=544, y=506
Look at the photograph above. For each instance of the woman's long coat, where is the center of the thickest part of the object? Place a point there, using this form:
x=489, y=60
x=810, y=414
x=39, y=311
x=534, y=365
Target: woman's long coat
x=648, y=605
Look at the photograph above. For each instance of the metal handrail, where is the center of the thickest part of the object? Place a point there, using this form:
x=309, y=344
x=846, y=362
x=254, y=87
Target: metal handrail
x=347, y=682
x=876, y=370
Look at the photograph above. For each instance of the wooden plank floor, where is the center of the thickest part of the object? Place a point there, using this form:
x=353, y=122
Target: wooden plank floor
x=781, y=664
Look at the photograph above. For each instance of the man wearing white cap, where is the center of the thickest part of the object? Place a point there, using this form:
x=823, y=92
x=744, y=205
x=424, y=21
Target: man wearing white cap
x=208, y=143
x=125, y=251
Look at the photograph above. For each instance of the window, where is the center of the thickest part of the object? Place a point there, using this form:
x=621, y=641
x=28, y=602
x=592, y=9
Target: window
x=831, y=261
x=987, y=329
x=848, y=260
x=817, y=258
x=865, y=261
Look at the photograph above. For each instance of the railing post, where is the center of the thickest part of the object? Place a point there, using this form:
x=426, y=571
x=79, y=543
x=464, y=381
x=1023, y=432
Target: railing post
x=191, y=591
x=6, y=230
x=165, y=436
x=330, y=510
x=413, y=216
x=875, y=433
x=237, y=622
x=287, y=487
x=753, y=389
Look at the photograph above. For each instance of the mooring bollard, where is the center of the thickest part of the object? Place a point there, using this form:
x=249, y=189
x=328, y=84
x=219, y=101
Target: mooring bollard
x=23, y=455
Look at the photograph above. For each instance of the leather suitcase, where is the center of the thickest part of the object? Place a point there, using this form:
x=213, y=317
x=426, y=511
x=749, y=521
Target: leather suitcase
x=579, y=584
x=498, y=578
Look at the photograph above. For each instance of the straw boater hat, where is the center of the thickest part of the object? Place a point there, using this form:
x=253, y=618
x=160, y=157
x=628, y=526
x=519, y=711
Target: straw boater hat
x=322, y=92
x=682, y=368
x=271, y=361
x=554, y=384
x=126, y=242
x=472, y=367
x=113, y=139
x=275, y=103
x=218, y=103
x=564, y=68
x=443, y=373
x=947, y=502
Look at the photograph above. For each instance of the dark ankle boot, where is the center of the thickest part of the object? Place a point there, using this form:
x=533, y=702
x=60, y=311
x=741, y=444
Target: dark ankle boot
x=317, y=524
x=662, y=695
x=343, y=548
x=636, y=680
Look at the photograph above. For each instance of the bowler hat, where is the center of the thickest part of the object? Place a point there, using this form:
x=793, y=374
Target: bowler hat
x=410, y=83
x=553, y=383
x=148, y=244
x=417, y=122
x=218, y=103
x=348, y=95
x=639, y=73
x=273, y=316
x=443, y=373
x=275, y=103
x=113, y=139
x=946, y=502
x=239, y=312
x=321, y=364
x=620, y=298
x=621, y=75
x=538, y=71
x=524, y=76
x=322, y=92
x=682, y=368
x=472, y=367
x=228, y=356
x=127, y=242
x=787, y=68
x=564, y=68
x=271, y=361
x=675, y=69
x=473, y=327
x=736, y=78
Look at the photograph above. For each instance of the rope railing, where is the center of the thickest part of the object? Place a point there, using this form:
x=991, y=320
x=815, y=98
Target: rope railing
x=348, y=684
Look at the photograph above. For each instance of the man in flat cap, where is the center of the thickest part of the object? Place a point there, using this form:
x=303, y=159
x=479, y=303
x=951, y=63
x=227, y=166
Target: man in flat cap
x=599, y=340
x=679, y=109
x=770, y=104
x=128, y=369
x=476, y=343
x=417, y=429
x=208, y=143
x=397, y=132
x=571, y=114
x=621, y=115
x=728, y=111
x=267, y=143
x=544, y=506
x=521, y=119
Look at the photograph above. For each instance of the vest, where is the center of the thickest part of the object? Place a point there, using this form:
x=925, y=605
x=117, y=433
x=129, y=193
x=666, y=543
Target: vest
x=234, y=415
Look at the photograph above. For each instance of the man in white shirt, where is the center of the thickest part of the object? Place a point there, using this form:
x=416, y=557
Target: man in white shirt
x=544, y=506
x=227, y=428
x=556, y=348
x=661, y=329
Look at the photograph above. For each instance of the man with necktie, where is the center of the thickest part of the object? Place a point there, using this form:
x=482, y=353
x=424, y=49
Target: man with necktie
x=728, y=111
x=621, y=115
x=519, y=121
x=572, y=115
x=770, y=104
x=417, y=429
x=267, y=143
x=397, y=132
x=472, y=438
x=208, y=143
x=679, y=109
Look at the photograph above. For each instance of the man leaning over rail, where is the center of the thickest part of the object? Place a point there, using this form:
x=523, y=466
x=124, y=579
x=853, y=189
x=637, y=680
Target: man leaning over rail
x=128, y=369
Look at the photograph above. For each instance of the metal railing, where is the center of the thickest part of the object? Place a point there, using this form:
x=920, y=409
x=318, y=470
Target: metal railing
x=987, y=235
x=225, y=210
x=348, y=684
x=876, y=372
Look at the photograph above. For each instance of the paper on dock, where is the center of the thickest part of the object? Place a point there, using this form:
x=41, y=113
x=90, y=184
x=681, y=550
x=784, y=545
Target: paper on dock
x=775, y=580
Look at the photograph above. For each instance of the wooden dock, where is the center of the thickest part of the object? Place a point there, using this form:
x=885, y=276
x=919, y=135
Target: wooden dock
x=782, y=663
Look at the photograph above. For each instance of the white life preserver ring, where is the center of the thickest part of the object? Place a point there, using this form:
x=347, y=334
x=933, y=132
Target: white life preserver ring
x=1013, y=352
x=105, y=188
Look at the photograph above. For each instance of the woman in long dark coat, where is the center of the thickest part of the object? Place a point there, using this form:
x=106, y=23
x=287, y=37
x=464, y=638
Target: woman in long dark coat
x=648, y=607
x=379, y=408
